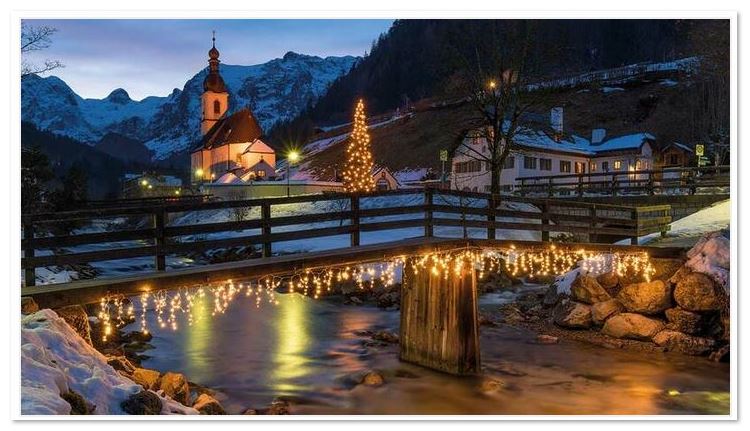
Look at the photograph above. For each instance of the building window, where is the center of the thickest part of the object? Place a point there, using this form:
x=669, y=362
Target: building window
x=382, y=185
x=465, y=167
x=510, y=162
x=545, y=164
x=605, y=166
x=580, y=168
x=674, y=159
x=618, y=165
x=260, y=173
x=217, y=107
x=564, y=166
x=239, y=159
x=592, y=166
x=529, y=162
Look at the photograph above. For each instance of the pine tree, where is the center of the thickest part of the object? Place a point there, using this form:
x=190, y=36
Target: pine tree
x=358, y=167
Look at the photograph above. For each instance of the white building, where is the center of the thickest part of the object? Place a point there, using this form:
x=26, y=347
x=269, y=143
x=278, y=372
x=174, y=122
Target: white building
x=538, y=155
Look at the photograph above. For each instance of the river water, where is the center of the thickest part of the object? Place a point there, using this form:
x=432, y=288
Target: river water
x=313, y=352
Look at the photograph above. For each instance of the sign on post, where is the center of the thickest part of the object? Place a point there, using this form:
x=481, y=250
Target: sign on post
x=699, y=149
x=443, y=155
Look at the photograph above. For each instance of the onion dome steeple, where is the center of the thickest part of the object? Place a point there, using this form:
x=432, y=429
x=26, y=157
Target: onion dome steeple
x=213, y=81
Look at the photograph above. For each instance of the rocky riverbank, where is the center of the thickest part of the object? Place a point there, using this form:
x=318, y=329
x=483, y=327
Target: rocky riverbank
x=684, y=308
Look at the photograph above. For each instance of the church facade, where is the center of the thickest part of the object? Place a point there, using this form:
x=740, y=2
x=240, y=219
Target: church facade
x=229, y=143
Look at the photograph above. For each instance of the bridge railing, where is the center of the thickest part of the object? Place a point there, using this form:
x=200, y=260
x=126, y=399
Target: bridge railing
x=183, y=228
x=690, y=180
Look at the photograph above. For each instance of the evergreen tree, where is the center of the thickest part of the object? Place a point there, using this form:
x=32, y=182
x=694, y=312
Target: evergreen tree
x=358, y=166
x=75, y=188
x=35, y=173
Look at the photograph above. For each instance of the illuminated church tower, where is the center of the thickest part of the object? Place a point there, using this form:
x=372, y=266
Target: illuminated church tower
x=215, y=98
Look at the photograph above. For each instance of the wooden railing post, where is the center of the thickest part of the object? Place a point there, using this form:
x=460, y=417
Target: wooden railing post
x=545, y=221
x=634, y=239
x=650, y=184
x=28, y=252
x=580, y=185
x=265, y=214
x=428, y=201
x=549, y=187
x=593, y=224
x=160, y=259
x=523, y=187
x=354, y=236
x=491, y=207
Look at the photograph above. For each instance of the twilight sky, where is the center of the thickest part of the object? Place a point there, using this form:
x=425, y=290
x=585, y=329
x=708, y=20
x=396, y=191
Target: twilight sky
x=150, y=57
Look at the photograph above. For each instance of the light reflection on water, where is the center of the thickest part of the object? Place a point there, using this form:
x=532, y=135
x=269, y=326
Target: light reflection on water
x=309, y=350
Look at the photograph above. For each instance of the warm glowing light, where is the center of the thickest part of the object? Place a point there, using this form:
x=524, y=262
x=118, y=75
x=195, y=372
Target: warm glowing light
x=358, y=165
x=293, y=156
x=493, y=84
x=116, y=310
x=177, y=192
x=199, y=173
x=144, y=182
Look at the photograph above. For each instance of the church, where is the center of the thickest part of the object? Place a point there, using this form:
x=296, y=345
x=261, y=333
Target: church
x=229, y=143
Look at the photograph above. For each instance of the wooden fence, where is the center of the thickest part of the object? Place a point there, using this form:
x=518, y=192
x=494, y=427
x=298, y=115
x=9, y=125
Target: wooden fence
x=650, y=182
x=152, y=232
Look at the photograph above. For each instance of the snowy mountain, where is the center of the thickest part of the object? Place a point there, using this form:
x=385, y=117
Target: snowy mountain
x=276, y=90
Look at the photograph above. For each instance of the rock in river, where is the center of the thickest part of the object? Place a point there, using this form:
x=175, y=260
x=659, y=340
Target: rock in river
x=651, y=297
x=633, y=326
x=587, y=289
x=571, y=314
x=207, y=405
x=175, y=386
x=685, y=321
x=142, y=403
x=684, y=343
x=697, y=292
x=601, y=311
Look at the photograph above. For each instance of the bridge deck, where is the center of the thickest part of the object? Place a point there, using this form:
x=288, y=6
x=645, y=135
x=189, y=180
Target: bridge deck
x=91, y=291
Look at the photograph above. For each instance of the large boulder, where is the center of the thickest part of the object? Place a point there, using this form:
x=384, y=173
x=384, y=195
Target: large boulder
x=551, y=297
x=175, y=385
x=572, y=314
x=684, y=343
x=685, y=321
x=76, y=317
x=633, y=326
x=142, y=403
x=697, y=292
x=586, y=289
x=121, y=364
x=652, y=297
x=610, y=281
x=207, y=405
x=149, y=379
x=601, y=311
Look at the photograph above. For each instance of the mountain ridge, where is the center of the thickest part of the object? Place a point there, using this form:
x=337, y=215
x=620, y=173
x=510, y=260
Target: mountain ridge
x=276, y=90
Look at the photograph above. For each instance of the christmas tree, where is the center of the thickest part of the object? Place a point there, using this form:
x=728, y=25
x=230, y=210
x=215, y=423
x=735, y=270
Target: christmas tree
x=358, y=167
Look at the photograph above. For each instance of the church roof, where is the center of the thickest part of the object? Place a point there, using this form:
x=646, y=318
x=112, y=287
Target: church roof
x=259, y=146
x=214, y=82
x=237, y=128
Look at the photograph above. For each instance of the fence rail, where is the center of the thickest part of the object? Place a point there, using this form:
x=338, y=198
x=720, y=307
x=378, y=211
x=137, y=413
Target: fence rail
x=151, y=233
x=684, y=180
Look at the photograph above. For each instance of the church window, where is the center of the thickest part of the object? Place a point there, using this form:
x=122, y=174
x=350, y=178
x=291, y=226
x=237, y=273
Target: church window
x=217, y=107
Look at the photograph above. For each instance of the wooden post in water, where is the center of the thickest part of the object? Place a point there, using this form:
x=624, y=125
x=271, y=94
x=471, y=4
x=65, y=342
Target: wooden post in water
x=439, y=325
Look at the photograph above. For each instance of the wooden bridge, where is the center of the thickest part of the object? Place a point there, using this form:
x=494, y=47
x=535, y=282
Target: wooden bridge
x=439, y=327
x=688, y=181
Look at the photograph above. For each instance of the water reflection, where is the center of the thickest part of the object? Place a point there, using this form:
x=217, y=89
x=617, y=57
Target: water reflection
x=292, y=343
x=309, y=350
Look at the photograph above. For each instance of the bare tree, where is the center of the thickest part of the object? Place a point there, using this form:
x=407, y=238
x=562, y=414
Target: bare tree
x=37, y=39
x=495, y=85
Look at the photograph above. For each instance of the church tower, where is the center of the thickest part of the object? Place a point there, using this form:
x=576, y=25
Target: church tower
x=215, y=98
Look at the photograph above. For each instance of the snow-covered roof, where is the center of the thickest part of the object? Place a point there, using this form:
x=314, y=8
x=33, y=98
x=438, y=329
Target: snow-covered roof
x=228, y=178
x=258, y=146
x=682, y=147
x=579, y=145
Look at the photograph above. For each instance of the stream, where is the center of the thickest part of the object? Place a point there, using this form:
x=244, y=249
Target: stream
x=313, y=353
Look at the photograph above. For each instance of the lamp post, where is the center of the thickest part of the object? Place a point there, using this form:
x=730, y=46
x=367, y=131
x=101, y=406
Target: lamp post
x=291, y=158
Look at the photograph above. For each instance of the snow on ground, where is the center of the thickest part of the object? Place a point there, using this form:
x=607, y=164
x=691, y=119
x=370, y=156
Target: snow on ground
x=689, y=229
x=711, y=256
x=612, y=89
x=410, y=174
x=56, y=360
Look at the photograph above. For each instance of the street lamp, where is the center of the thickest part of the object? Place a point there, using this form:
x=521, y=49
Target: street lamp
x=291, y=158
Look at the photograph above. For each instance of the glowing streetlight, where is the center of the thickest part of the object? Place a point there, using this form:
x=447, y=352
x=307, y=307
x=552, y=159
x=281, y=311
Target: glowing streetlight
x=199, y=173
x=291, y=158
x=493, y=84
x=144, y=183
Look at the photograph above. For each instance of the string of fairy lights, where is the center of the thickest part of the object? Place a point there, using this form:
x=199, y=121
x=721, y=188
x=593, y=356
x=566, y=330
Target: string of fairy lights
x=116, y=310
x=358, y=166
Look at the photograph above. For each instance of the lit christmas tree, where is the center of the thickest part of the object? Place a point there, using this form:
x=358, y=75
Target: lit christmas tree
x=358, y=167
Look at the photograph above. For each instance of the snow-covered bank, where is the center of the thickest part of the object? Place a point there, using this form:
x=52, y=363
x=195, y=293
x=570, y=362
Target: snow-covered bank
x=55, y=361
x=693, y=227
